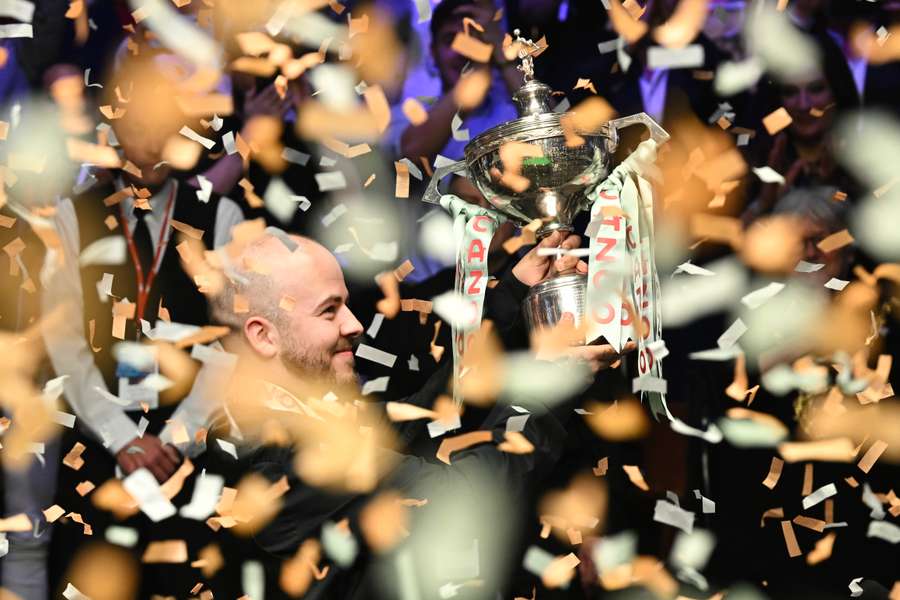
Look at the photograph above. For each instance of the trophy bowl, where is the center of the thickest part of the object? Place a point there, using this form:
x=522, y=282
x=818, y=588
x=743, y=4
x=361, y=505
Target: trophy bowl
x=557, y=179
x=561, y=173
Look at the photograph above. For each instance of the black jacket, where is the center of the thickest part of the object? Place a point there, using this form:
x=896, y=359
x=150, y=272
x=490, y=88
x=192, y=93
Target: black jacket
x=305, y=508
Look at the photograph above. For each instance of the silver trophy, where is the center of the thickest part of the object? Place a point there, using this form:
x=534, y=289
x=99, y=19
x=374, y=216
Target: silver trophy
x=558, y=181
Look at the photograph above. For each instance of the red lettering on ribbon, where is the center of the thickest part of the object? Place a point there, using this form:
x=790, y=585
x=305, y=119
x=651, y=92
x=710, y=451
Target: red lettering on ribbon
x=628, y=237
x=608, y=245
x=645, y=360
x=476, y=223
x=641, y=293
x=615, y=222
x=605, y=319
x=476, y=251
x=473, y=287
x=627, y=316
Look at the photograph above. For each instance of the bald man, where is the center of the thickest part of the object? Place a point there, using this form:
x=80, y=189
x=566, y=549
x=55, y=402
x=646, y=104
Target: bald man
x=316, y=335
x=285, y=346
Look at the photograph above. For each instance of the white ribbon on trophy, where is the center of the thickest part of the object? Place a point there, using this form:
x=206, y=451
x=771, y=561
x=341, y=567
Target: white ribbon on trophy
x=623, y=284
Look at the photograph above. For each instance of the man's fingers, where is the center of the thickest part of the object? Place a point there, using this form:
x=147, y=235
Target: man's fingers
x=551, y=241
x=566, y=263
x=157, y=471
x=127, y=462
x=599, y=352
x=629, y=347
x=159, y=463
x=164, y=461
x=571, y=242
x=172, y=453
x=581, y=267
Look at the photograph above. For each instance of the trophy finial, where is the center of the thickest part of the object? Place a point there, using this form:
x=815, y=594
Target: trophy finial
x=524, y=52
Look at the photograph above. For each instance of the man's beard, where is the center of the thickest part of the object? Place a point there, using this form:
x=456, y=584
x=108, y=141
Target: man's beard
x=315, y=364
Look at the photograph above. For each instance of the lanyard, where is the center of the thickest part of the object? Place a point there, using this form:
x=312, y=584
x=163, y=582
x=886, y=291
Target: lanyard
x=144, y=283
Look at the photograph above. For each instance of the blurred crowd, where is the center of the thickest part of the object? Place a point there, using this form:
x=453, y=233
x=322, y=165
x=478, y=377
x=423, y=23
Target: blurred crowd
x=166, y=163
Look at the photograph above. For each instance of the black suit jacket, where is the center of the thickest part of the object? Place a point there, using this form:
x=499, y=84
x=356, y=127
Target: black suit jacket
x=306, y=508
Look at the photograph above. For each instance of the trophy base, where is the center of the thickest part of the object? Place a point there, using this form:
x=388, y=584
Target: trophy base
x=547, y=301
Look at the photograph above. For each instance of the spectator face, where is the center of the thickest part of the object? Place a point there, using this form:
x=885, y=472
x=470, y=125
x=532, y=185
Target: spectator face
x=143, y=140
x=449, y=62
x=801, y=100
x=152, y=114
x=724, y=22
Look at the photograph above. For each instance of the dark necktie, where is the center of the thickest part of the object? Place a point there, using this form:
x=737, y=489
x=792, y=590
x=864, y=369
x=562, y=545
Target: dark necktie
x=142, y=242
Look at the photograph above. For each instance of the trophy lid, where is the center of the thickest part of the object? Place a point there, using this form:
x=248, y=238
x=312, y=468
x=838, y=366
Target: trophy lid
x=533, y=98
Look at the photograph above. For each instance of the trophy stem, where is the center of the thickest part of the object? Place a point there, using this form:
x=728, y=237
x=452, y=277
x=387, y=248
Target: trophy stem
x=547, y=301
x=549, y=228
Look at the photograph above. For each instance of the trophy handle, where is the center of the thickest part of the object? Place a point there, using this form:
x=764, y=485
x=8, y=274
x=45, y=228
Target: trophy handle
x=657, y=133
x=431, y=192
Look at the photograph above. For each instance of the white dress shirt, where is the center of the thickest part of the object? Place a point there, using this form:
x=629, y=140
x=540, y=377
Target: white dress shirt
x=66, y=344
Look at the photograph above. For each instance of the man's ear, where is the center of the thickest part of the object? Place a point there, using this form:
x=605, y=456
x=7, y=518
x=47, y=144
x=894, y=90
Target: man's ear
x=262, y=336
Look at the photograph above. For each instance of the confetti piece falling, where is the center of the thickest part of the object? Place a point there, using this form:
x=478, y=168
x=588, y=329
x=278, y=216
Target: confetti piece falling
x=777, y=120
x=790, y=539
x=636, y=477
x=774, y=474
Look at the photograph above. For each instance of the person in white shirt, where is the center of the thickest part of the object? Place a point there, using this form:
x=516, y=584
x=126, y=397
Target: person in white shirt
x=125, y=421
x=142, y=132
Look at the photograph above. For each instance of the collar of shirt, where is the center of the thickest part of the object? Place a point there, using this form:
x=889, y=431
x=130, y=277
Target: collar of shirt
x=278, y=398
x=157, y=201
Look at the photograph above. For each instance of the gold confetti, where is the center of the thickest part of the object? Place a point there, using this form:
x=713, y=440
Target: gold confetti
x=636, y=477
x=166, y=551
x=774, y=475
x=872, y=454
x=822, y=550
x=414, y=111
x=53, y=513
x=472, y=48
x=379, y=107
x=790, y=540
x=835, y=241
x=623, y=420
x=777, y=120
x=73, y=458
x=84, y=488
x=401, y=187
